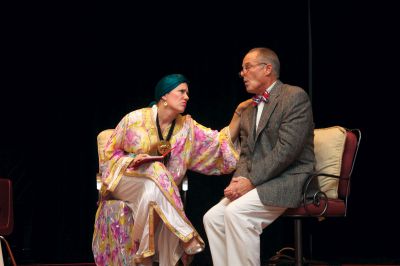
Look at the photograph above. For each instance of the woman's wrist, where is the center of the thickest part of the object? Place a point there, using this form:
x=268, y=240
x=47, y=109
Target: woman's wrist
x=238, y=113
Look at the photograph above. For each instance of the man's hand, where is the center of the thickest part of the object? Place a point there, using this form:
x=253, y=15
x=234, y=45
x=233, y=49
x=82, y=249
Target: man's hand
x=238, y=187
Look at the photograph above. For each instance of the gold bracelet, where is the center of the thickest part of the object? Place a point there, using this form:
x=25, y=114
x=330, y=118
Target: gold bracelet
x=239, y=114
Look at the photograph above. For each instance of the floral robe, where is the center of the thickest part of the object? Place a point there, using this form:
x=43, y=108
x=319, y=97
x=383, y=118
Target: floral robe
x=194, y=147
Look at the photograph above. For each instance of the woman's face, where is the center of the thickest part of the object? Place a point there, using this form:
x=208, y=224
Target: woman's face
x=177, y=98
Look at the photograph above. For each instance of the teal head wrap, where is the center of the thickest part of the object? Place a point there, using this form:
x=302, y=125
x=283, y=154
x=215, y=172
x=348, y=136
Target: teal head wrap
x=167, y=84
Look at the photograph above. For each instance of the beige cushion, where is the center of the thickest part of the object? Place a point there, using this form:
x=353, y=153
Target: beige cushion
x=102, y=139
x=328, y=147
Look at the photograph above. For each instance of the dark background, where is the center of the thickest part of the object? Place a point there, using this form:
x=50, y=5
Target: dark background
x=70, y=71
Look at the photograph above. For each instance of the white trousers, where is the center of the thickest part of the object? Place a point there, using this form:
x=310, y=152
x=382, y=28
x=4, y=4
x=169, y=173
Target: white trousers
x=139, y=192
x=233, y=229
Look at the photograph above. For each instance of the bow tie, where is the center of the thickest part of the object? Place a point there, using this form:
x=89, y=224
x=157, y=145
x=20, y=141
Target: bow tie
x=260, y=98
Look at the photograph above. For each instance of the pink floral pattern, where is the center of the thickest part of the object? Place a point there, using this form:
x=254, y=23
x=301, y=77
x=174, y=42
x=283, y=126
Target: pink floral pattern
x=112, y=241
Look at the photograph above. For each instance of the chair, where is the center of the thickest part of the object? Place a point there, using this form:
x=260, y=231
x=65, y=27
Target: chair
x=336, y=151
x=6, y=217
x=112, y=243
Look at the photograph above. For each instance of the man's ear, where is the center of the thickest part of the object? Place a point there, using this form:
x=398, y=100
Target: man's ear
x=268, y=69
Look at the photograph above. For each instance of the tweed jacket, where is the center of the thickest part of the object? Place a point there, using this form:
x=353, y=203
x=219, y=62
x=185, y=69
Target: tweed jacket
x=279, y=155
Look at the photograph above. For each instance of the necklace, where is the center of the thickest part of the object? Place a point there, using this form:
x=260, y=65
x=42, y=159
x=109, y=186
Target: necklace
x=164, y=145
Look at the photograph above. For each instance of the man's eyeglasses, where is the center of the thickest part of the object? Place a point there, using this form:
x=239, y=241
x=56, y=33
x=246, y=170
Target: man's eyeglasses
x=246, y=68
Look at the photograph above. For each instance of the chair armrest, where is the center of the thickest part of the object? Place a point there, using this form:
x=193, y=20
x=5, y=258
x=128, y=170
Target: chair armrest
x=313, y=195
x=98, y=181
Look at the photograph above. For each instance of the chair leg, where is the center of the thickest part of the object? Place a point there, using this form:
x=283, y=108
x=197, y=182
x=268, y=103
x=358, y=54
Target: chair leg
x=298, y=243
x=298, y=259
x=9, y=251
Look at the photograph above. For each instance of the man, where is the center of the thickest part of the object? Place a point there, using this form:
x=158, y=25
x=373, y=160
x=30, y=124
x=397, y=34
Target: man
x=277, y=155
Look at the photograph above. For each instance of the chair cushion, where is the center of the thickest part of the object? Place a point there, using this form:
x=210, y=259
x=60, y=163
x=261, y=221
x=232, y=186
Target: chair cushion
x=336, y=208
x=328, y=147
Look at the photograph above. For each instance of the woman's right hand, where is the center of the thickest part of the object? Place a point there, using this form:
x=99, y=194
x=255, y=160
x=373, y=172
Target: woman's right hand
x=235, y=122
x=138, y=159
x=243, y=105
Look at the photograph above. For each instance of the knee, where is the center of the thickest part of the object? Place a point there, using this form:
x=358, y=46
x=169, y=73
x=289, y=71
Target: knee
x=207, y=218
x=151, y=190
x=212, y=217
x=230, y=213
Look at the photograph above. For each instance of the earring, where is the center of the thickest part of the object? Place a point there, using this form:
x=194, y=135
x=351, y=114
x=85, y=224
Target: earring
x=165, y=103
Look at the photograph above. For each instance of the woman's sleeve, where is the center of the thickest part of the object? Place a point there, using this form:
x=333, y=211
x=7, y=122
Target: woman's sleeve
x=213, y=152
x=116, y=159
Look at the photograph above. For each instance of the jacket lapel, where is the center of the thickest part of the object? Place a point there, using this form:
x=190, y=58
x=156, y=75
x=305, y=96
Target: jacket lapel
x=252, y=129
x=268, y=108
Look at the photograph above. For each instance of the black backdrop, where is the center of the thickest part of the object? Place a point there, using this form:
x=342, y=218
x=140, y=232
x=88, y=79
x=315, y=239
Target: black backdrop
x=70, y=71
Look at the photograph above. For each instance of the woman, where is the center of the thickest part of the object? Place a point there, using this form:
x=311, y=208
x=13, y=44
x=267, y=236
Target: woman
x=151, y=189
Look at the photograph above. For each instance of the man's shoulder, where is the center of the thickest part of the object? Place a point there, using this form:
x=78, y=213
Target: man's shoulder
x=292, y=91
x=289, y=88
